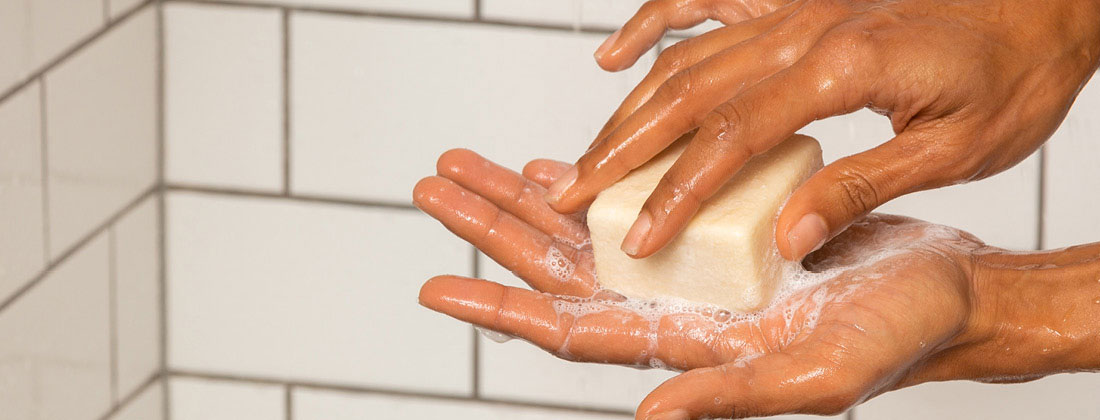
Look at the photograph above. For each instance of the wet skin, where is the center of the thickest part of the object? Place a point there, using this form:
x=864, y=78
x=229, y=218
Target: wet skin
x=971, y=88
x=934, y=304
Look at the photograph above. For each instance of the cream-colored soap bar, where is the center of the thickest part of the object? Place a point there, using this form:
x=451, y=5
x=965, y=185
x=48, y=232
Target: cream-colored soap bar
x=726, y=255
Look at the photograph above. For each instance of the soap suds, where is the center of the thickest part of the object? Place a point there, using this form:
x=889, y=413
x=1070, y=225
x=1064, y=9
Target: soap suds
x=798, y=300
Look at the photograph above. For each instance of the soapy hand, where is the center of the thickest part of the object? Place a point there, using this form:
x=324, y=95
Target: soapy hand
x=887, y=304
x=971, y=88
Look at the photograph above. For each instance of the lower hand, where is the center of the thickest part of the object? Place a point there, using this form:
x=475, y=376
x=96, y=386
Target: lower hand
x=894, y=305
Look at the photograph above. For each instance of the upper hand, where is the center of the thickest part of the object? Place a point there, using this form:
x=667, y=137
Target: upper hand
x=971, y=88
x=893, y=304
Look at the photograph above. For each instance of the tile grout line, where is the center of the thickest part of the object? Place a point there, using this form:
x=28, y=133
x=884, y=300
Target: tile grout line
x=173, y=187
x=125, y=401
x=403, y=16
x=1040, y=242
x=476, y=386
x=286, y=100
x=79, y=45
x=477, y=10
x=44, y=150
x=388, y=392
x=288, y=402
x=162, y=270
x=64, y=256
x=112, y=309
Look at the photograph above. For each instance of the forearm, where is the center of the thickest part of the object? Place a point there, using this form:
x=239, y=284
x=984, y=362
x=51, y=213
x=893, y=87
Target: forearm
x=1036, y=313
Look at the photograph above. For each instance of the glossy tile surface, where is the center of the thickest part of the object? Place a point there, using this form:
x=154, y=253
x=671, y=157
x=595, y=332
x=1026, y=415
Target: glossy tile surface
x=449, y=8
x=22, y=251
x=314, y=292
x=335, y=405
x=223, y=91
x=137, y=295
x=510, y=94
x=148, y=405
x=202, y=399
x=36, y=32
x=101, y=129
x=1072, y=189
x=55, y=351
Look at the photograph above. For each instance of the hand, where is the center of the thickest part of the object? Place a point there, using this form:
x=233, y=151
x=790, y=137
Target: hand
x=971, y=88
x=891, y=304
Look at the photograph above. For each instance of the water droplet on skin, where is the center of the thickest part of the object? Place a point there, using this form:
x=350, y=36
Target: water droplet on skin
x=493, y=335
x=1096, y=301
x=717, y=401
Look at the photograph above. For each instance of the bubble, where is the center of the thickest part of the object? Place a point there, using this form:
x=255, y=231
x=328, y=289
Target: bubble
x=498, y=337
x=560, y=267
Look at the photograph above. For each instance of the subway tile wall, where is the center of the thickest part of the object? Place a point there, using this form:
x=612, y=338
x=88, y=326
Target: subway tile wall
x=79, y=217
x=292, y=134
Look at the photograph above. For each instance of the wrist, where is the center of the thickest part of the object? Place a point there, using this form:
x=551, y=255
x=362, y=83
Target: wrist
x=1034, y=314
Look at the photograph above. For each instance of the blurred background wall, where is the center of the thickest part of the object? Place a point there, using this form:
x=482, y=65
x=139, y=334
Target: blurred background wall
x=205, y=209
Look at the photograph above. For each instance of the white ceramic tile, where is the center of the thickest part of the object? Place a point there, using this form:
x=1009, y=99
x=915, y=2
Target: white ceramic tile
x=148, y=405
x=517, y=370
x=223, y=93
x=602, y=14
x=366, y=130
x=54, y=355
x=101, y=129
x=35, y=32
x=561, y=12
x=202, y=399
x=1072, y=185
x=137, y=295
x=450, y=8
x=1001, y=210
x=1065, y=397
x=21, y=235
x=316, y=292
x=118, y=8
x=333, y=405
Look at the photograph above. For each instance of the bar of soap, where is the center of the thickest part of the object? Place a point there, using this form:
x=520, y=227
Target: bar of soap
x=726, y=256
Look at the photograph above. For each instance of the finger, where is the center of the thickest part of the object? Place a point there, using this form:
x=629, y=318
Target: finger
x=678, y=106
x=655, y=17
x=582, y=331
x=776, y=383
x=544, y=263
x=544, y=171
x=685, y=54
x=511, y=192
x=851, y=188
x=763, y=116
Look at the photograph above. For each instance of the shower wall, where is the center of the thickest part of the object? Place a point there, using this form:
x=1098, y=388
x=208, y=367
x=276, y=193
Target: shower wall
x=240, y=172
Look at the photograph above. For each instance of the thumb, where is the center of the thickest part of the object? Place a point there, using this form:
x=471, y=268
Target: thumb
x=848, y=189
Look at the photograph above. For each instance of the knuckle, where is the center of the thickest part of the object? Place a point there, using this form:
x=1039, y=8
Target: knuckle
x=723, y=120
x=673, y=58
x=679, y=85
x=857, y=192
x=651, y=8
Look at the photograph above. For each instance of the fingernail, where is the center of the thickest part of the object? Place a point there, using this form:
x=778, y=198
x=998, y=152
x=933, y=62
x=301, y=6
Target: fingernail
x=637, y=234
x=563, y=183
x=677, y=414
x=606, y=45
x=807, y=235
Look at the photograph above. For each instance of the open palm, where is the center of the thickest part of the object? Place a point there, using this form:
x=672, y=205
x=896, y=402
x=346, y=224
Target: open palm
x=882, y=306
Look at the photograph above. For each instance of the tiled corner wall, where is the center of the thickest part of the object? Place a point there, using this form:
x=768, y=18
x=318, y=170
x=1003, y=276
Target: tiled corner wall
x=80, y=329
x=291, y=133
